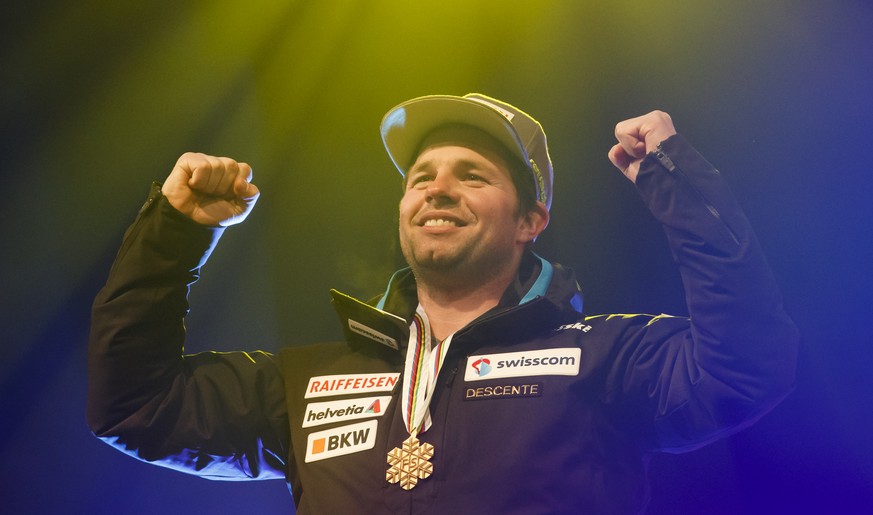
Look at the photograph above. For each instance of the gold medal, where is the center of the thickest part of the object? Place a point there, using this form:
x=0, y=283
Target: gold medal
x=409, y=463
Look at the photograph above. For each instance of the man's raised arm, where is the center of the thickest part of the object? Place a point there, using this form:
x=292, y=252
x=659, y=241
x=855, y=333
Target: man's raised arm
x=735, y=357
x=219, y=415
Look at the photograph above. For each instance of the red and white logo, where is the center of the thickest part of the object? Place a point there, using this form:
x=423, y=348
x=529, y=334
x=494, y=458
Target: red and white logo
x=482, y=366
x=327, y=386
x=319, y=413
x=543, y=362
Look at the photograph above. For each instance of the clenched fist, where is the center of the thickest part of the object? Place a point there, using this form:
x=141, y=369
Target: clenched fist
x=636, y=138
x=211, y=190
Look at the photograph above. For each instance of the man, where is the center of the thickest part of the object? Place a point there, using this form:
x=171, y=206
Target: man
x=474, y=383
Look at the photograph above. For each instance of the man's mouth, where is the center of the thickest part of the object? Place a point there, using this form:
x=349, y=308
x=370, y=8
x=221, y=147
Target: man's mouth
x=440, y=222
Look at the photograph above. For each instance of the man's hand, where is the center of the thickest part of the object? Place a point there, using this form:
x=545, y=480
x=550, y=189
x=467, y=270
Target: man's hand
x=636, y=138
x=211, y=190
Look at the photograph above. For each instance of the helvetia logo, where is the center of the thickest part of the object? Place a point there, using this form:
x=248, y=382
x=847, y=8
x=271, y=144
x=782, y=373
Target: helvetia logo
x=375, y=407
x=482, y=366
x=318, y=413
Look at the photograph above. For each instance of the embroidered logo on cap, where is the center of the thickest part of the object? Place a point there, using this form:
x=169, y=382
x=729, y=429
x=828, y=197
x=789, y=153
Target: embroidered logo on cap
x=506, y=114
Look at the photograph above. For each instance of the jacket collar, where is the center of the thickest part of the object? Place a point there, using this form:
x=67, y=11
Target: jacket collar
x=543, y=295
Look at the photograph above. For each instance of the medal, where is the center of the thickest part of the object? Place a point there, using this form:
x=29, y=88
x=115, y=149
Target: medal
x=411, y=461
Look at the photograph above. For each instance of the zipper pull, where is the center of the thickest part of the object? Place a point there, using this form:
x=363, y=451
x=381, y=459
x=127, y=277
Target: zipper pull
x=664, y=159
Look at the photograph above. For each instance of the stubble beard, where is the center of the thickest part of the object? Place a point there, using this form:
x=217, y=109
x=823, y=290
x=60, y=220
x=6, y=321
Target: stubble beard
x=457, y=267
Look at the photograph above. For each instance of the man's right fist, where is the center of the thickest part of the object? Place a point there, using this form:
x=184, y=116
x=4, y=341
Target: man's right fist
x=636, y=138
x=211, y=190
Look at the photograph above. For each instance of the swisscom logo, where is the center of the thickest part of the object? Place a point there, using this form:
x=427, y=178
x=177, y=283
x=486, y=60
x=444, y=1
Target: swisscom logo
x=482, y=366
x=546, y=362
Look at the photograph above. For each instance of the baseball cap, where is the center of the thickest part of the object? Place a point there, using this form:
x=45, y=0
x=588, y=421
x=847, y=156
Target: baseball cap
x=406, y=125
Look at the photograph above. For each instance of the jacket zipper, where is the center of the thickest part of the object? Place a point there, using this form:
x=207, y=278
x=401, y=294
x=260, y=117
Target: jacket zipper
x=668, y=163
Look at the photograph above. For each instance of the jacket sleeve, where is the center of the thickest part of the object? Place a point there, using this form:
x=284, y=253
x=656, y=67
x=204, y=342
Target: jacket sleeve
x=218, y=415
x=734, y=359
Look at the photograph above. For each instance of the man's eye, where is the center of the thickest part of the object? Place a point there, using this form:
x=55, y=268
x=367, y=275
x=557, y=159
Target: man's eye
x=418, y=179
x=473, y=177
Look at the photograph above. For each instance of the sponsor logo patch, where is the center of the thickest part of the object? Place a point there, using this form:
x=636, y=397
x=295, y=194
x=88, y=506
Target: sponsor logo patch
x=369, y=332
x=503, y=391
x=340, y=441
x=346, y=384
x=318, y=413
x=482, y=366
x=546, y=362
x=579, y=326
x=506, y=114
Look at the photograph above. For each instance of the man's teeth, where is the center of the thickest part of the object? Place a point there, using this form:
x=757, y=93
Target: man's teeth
x=439, y=222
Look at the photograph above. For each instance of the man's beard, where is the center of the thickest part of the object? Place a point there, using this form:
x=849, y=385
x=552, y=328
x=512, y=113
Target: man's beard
x=458, y=268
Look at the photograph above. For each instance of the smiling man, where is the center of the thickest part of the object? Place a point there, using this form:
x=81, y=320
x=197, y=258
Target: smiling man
x=462, y=227
x=474, y=377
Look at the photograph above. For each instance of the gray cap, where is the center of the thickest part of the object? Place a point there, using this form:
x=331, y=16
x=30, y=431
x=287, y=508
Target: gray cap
x=405, y=126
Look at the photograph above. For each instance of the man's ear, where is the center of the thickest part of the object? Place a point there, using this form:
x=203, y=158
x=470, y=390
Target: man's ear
x=532, y=223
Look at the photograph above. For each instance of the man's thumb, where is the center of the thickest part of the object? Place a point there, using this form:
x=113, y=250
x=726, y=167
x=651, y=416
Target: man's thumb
x=244, y=189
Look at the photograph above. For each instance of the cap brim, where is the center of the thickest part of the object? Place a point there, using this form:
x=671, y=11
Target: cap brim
x=405, y=126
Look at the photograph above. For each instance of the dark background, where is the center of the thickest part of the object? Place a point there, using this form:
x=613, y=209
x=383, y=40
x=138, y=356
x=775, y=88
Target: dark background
x=100, y=98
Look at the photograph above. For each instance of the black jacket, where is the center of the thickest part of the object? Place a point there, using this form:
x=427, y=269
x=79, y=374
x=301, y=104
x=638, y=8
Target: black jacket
x=538, y=409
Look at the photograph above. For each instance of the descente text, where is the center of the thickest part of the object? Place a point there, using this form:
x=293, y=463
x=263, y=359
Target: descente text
x=504, y=391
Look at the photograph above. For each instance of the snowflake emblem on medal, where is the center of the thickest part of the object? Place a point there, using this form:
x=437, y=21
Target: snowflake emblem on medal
x=409, y=463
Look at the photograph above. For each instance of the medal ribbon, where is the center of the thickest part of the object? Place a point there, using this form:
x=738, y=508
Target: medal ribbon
x=422, y=368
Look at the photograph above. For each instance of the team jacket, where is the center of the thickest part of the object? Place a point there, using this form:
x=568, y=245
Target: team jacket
x=537, y=409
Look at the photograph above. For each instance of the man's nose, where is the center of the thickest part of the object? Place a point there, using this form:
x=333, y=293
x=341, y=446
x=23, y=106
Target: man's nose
x=442, y=188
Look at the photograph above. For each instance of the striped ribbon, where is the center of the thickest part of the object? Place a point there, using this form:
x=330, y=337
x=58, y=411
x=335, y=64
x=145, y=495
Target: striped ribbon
x=421, y=370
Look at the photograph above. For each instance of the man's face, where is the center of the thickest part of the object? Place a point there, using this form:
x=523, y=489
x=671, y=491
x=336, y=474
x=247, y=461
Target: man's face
x=459, y=212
